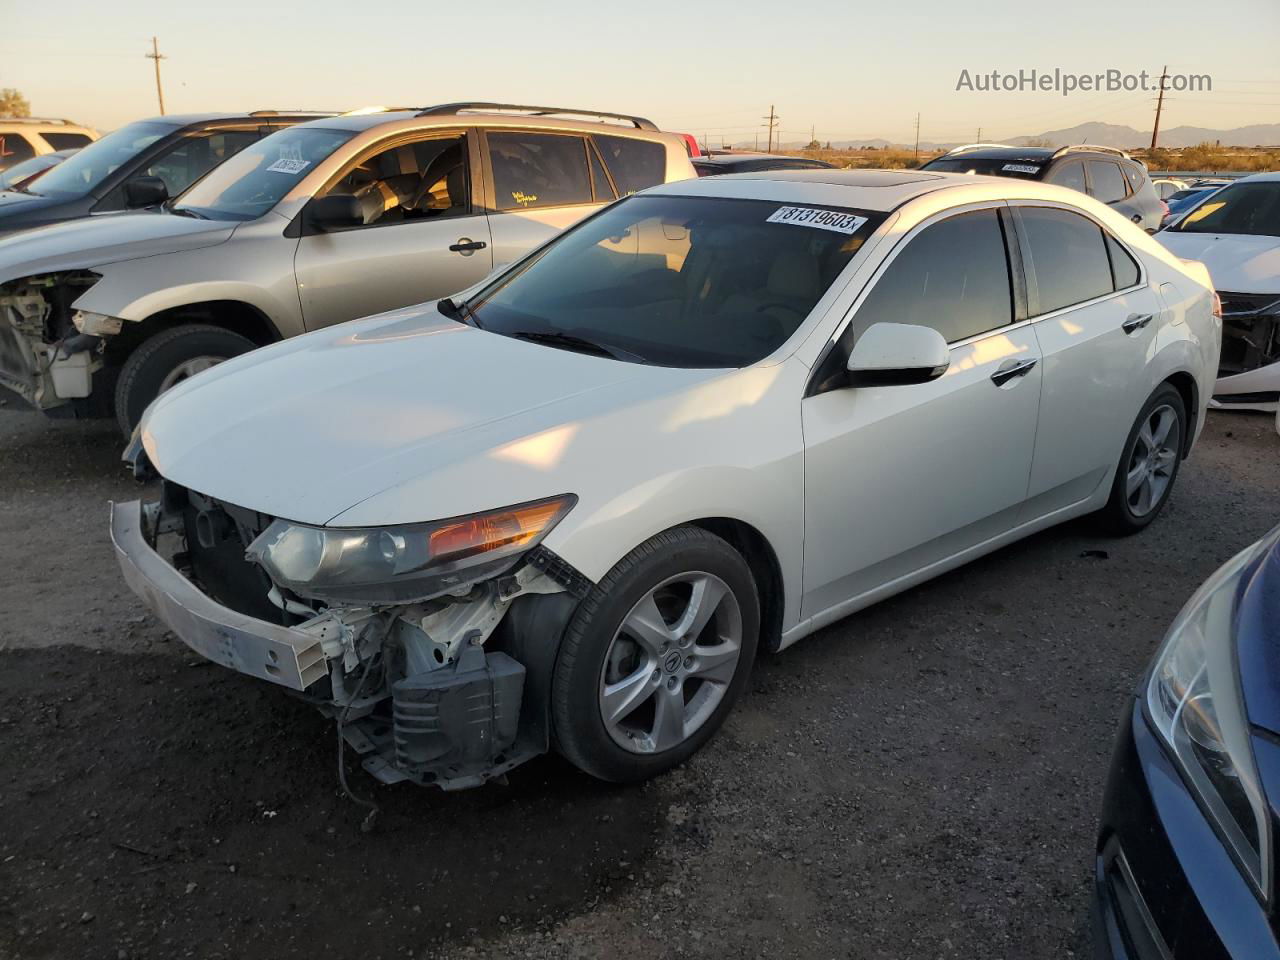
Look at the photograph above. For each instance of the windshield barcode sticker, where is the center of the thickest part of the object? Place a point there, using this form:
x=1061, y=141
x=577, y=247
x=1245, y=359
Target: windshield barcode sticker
x=813, y=217
x=1020, y=168
x=288, y=166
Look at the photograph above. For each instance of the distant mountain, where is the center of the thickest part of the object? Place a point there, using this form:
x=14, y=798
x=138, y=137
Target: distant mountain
x=1113, y=135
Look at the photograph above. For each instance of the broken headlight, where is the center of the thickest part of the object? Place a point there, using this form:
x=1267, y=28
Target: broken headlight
x=1196, y=705
x=403, y=564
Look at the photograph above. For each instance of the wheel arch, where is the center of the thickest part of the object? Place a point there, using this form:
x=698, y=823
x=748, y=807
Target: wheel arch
x=1189, y=390
x=766, y=570
x=236, y=316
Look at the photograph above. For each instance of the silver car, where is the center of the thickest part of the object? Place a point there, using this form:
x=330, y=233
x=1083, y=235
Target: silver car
x=324, y=222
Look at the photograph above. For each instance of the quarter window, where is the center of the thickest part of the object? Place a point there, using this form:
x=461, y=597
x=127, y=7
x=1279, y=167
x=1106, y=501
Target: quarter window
x=635, y=164
x=1069, y=257
x=1069, y=175
x=410, y=181
x=1107, y=181
x=954, y=277
x=66, y=141
x=538, y=170
x=1124, y=271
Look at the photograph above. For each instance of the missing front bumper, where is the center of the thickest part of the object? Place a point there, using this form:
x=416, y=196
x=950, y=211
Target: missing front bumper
x=282, y=655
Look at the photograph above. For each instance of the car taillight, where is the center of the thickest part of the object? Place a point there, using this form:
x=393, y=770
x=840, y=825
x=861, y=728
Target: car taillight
x=1217, y=305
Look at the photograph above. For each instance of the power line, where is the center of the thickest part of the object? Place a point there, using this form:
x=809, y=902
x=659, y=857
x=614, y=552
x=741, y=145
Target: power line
x=157, y=56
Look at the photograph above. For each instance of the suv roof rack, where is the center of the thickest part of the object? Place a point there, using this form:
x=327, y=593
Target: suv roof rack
x=1090, y=147
x=977, y=146
x=640, y=123
x=67, y=123
x=291, y=113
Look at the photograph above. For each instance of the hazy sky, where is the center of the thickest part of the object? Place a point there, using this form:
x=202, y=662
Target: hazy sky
x=848, y=69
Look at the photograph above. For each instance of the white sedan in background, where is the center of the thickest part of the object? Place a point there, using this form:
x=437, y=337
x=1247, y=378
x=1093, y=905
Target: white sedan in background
x=563, y=510
x=1236, y=234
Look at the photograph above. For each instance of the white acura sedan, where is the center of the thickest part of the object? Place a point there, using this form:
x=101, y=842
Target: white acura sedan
x=564, y=509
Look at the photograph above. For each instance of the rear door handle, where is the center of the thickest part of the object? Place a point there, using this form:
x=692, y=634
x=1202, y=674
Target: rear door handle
x=466, y=245
x=1136, y=321
x=1011, y=369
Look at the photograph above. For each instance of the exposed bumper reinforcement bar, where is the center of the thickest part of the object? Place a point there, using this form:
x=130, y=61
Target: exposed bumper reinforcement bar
x=255, y=647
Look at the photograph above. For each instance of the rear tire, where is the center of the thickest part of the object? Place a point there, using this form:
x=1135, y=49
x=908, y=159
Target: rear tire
x=663, y=647
x=168, y=358
x=1149, y=464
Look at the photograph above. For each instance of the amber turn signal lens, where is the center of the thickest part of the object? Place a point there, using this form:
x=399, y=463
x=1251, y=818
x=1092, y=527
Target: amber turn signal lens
x=492, y=531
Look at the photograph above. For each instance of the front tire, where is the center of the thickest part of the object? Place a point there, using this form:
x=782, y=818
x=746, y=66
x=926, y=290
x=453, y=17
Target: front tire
x=1149, y=465
x=655, y=657
x=165, y=360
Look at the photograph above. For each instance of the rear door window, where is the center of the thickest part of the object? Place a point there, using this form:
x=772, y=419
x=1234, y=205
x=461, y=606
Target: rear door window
x=1135, y=176
x=1069, y=257
x=953, y=276
x=533, y=170
x=1069, y=175
x=635, y=164
x=1107, y=181
x=14, y=148
x=66, y=141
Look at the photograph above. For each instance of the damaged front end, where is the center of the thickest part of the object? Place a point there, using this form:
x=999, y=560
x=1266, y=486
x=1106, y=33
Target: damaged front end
x=440, y=678
x=49, y=352
x=1250, y=343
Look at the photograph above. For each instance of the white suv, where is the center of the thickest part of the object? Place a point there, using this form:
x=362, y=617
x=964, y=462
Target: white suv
x=22, y=138
x=326, y=221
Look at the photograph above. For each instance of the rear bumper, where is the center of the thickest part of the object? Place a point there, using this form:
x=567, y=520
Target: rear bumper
x=283, y=655
x=1165, y=887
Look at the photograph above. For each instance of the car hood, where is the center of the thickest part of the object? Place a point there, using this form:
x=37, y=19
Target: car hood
x=1239, y=263
x=12, y=201
x=311, y=427
x=104, y=238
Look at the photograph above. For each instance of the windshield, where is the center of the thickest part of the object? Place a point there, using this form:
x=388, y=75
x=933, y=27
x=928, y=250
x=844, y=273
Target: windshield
x=678, y=281
x=1028, y=169
x=1245, y=208
x=255, y=179
x=27, y=169
x=79, y=174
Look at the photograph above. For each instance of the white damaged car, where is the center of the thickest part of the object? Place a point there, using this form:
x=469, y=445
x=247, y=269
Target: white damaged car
x=564, y=509
x=1236, y=234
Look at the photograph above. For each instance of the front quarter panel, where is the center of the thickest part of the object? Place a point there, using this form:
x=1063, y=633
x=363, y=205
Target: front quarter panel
x=724, y=446
x=254, y=266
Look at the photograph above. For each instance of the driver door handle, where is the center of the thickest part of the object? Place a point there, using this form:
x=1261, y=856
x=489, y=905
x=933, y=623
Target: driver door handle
x=1011, y=369
x=1136, y=321
x=467, y=245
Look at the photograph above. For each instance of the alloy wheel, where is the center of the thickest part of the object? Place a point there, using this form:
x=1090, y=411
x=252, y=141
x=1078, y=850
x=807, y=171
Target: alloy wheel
x=670, y=662
x=1153, y=460
x=187, y=369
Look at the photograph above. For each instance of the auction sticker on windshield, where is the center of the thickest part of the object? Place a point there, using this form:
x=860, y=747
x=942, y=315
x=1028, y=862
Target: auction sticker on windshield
x=1020, y=168
x=814, y=217
x=288, y=166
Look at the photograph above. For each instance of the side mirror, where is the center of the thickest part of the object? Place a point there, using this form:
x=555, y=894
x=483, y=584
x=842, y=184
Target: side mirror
x=144, y=192
x=335, y=212
x=891, y=354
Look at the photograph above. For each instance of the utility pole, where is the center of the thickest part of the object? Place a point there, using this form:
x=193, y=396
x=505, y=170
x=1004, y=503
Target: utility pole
x=773, y=119
x=917, y=153
x=157, y=56
x=1155, y=131
x=979, y=140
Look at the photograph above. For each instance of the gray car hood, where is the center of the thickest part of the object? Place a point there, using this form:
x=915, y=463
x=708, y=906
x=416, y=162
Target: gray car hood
x=102, y=239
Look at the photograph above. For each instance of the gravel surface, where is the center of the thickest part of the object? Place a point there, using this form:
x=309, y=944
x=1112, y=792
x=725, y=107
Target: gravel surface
x=919, y=780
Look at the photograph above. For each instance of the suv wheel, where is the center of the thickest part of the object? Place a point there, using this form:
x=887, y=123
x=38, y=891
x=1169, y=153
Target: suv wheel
x=168, y=358
x=655, y=657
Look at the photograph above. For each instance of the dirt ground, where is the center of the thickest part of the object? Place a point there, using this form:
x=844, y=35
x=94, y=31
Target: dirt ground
x=917, y=781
